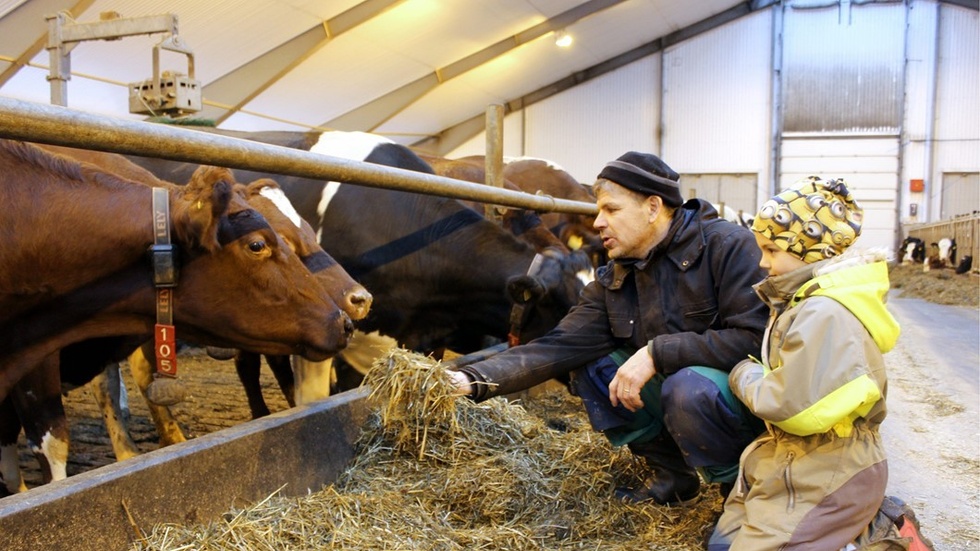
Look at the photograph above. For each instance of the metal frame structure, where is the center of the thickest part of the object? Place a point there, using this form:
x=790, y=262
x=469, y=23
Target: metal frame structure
x=29, y=121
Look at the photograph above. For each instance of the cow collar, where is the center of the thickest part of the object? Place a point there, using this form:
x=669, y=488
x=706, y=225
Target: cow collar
x=163, y=256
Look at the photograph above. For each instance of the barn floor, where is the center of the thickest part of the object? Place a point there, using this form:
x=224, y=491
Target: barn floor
x=931, y=430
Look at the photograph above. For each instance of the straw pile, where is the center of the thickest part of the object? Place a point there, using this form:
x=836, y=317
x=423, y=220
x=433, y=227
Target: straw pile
x=437, y=472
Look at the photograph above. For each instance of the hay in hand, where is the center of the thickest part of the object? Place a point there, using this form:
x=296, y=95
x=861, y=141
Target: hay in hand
x=439, y=472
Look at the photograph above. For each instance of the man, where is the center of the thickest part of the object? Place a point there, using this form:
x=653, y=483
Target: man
x=652, y=340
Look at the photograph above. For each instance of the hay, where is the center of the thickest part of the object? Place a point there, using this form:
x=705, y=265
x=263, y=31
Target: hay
x=442, y=473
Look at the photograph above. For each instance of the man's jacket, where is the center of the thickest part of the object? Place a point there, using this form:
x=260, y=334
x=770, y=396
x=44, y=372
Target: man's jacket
x=691, y=302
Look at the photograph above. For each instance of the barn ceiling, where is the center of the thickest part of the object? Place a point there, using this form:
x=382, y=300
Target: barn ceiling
x=417, y=71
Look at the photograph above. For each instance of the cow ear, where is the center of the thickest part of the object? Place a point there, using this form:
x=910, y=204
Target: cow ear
x=205, y=200
x=525, y=289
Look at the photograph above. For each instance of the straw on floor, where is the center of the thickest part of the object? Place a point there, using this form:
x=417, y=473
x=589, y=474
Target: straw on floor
x=438, y=472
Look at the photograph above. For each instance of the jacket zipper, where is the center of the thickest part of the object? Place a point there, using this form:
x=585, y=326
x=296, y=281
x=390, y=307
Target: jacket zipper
x=788, y=480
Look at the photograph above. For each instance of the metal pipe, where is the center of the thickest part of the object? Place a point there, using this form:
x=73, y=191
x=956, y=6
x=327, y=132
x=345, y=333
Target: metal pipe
x=50, y=124
x=494, y=158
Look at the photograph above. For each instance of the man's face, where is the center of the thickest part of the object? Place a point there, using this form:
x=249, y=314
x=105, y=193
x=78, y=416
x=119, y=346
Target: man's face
x=625, y=221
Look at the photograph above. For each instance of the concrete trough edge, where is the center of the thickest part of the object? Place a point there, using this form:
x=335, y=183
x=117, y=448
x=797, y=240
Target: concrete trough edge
x=299, y=450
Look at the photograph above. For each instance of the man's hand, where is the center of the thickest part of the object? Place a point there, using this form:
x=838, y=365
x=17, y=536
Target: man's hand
x=630, y=378
x=463, y=385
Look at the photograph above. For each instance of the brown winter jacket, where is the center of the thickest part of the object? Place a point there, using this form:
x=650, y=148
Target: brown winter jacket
x=690, y=301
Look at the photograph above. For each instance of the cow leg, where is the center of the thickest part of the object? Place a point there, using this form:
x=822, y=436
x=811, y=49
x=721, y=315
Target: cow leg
x=282, y=370
x=313, y=379
x=105, y=390
x=9, y=458
x=37, y=400
x=248, y=366
x=142, y=369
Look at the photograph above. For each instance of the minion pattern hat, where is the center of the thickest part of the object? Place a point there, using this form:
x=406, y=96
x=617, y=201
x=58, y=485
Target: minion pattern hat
x=813, y=220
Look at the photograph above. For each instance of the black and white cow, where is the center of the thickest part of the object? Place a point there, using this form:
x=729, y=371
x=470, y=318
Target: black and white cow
x=913, y=250
x=942, y=254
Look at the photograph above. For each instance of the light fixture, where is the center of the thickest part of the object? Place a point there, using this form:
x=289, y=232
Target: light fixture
x=562, y=38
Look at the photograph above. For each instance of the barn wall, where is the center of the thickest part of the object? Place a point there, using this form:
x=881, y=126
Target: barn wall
x=589, y=125
x=957, y=146
x=881, y=93
x=584, y=127
x=717, y=114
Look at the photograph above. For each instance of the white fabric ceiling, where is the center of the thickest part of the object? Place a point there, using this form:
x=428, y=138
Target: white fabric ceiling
x=409, y=69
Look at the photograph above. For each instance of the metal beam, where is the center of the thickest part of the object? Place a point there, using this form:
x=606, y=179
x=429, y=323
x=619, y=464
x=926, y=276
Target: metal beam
x=454, y=136
x=970, y=4
x=230, y=93
x=373, y=114
x=25, y=30
x=50, y=124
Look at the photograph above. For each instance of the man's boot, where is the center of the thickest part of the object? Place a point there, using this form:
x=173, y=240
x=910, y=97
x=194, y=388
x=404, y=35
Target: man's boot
x=672, y=481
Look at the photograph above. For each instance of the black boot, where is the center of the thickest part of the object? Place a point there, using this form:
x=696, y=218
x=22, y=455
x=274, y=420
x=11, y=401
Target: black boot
x=672, y=482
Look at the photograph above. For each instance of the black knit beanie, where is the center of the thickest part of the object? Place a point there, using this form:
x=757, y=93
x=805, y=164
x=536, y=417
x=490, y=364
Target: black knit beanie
x=647, y=174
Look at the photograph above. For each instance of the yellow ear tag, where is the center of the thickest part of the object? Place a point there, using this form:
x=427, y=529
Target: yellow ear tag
x=200, y=205
x=575, y=242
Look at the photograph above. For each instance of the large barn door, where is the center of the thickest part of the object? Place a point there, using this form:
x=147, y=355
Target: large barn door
x=961, y=194
x=870, y=166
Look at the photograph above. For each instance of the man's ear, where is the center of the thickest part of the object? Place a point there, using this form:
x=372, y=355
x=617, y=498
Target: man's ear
x=654, y=203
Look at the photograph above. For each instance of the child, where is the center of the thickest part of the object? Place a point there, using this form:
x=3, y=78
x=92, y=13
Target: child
x=817, y=477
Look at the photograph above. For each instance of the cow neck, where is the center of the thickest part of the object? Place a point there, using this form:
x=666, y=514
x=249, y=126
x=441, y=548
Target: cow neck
x=519, y=312
x=163, y=255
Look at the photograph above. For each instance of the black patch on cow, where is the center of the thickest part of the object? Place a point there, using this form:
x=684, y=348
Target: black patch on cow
x=965, y=265
x=318, y=261
x=413, y=242
x=397, y=155
x=240, y=224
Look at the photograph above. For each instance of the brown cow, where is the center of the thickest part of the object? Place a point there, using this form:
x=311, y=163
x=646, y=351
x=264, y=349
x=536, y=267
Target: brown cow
x=540, y=176
x=39, y=401
x=72, y=266
x=527, y=225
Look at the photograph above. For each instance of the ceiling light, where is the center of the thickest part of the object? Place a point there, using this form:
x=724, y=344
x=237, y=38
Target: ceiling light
x=562, y=38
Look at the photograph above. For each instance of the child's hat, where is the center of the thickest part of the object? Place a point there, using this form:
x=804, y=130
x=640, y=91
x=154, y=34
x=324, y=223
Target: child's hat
x=812, y=220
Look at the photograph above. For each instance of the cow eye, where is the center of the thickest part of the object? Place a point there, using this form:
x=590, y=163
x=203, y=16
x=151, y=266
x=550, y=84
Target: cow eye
x=257, y=246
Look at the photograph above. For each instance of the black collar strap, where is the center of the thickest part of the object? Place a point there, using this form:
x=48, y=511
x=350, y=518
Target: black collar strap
x=163, y=255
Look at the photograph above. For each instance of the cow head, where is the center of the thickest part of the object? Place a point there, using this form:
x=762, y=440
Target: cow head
x=231, y=245
x=267, y=198
x=546, y=293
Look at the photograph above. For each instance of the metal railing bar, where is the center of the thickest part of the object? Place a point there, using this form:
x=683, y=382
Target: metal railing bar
x=56, y=125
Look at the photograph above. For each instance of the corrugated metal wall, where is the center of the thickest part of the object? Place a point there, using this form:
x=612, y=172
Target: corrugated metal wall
x=842, y=68
x=880, y=93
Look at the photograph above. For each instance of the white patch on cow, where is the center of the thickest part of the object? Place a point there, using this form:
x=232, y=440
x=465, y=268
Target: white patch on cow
x=355, y=146
x=551, y=164
x=282, y=203
x=945, y=245
x=10, y=469
x=312, y=379
x=364, y=348
x=55, y=451
x=329, y=191
x=909, y=249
